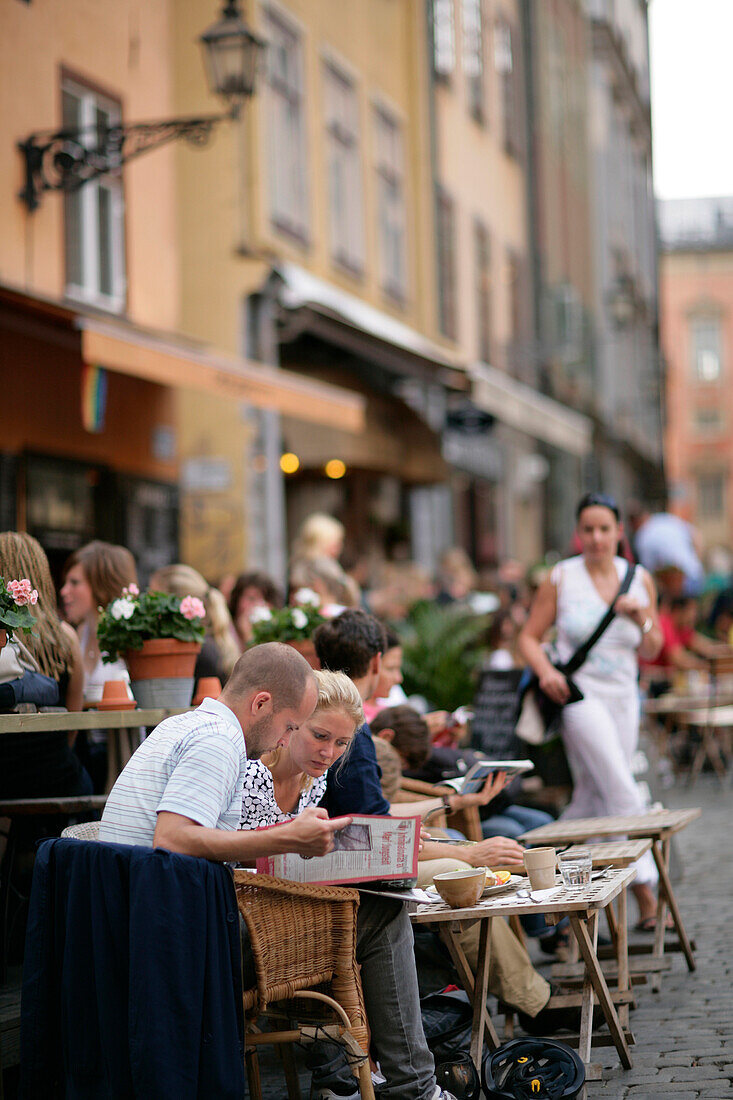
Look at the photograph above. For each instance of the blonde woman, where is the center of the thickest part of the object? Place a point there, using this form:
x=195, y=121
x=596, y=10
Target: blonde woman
x=284, y=782
x=320, y=535
x=53, y=644
x=42, y=764
x=220, y=651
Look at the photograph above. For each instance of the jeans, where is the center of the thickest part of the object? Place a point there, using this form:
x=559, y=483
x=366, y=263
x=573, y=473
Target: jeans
x=513, y=821
x=385, y=953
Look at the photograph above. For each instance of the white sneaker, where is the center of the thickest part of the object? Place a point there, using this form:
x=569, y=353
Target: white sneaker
x=327, y=1092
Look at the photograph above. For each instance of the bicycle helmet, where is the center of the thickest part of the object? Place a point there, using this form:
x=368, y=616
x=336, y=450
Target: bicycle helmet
x=533, y=1069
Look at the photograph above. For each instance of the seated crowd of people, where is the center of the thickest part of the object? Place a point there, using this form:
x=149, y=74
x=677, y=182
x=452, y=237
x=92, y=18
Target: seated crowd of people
x=301, y=750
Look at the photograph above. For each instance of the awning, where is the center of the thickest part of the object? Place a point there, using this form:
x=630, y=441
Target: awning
x=177, y=362
x=394, y=441
x=302, y=290
x=530, y=412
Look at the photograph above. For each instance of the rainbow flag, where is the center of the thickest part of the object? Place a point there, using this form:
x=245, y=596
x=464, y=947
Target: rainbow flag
x=93, y=397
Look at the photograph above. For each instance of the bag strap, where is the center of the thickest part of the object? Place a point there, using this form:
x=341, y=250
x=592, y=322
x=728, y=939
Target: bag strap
x=581, y=653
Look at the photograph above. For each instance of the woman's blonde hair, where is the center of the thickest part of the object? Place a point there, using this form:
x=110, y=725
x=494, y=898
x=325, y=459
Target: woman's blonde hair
x=336, y=691
x=317, y=533
x=21, y=556
x=184, y=580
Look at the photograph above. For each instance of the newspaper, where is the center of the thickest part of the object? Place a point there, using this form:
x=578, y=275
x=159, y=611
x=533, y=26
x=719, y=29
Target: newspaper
x=373, y=848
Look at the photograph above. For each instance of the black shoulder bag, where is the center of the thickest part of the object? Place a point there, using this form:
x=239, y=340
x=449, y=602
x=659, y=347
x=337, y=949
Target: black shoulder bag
x=538, y=716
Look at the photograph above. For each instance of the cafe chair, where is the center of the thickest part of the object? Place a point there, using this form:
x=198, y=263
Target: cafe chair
x=303, y=941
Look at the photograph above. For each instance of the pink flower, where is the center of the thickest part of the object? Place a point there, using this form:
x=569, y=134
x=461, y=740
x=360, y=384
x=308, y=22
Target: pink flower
x=131, y=590
x=22, y=592
x=192, y=608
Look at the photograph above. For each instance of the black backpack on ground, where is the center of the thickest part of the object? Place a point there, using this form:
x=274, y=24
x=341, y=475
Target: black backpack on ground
x=447, y=1018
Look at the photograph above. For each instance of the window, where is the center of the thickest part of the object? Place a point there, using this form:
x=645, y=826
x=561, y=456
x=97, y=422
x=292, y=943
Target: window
x=706, y=348
x=473, y=57
x=391, y=204
x=482, y=246
x=507, y=65
x=711, y=496
x=344, y=169
x=444, y=40
x=286, y=128
x=447, y=288
x=94, y=214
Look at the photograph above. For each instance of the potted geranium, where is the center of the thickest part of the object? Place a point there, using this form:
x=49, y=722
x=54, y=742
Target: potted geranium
x=16, y=598
x=159, y=637
x=292, y=625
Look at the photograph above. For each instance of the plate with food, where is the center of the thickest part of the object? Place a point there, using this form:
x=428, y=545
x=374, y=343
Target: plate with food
x=499, y=880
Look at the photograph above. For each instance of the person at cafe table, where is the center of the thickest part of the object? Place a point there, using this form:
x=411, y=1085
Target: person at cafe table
x=183, y=790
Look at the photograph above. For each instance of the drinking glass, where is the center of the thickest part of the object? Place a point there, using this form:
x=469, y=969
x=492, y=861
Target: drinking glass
x=575, y=867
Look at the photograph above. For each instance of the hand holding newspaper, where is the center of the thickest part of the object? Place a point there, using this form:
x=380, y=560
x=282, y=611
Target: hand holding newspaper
x=371, y=849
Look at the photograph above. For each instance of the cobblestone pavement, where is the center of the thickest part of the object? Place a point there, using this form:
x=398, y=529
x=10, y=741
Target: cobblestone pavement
x=684, y=1033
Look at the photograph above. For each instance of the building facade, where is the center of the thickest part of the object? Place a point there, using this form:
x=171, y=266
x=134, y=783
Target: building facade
x=628, y=384
x=696, y=315
x=111, y=402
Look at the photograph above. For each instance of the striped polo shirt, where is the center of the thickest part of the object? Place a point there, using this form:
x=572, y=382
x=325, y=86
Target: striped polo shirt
x=191, y=764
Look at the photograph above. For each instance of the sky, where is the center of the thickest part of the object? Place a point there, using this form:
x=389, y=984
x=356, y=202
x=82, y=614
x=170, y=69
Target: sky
x=692, y=94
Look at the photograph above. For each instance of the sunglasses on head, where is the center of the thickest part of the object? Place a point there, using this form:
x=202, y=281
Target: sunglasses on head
x=601, y=500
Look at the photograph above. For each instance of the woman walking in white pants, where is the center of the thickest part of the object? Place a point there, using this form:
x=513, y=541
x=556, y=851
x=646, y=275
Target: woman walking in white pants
x=600, y=733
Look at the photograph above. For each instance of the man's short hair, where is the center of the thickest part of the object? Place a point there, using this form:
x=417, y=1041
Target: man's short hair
x=349, y=642
x=273, y=667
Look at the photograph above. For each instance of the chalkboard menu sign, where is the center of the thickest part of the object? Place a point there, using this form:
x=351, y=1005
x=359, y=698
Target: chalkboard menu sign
x=495, y=706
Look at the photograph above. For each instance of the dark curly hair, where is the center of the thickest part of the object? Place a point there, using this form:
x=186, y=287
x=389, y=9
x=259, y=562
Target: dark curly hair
x=349, y=642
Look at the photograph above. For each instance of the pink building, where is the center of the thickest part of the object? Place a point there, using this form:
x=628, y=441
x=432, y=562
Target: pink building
x=696, y=316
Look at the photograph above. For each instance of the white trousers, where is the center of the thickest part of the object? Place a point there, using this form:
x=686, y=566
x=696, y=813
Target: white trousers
x=600, y=735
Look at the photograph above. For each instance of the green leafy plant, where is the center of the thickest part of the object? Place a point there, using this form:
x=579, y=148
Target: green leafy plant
x=442, y=649
x=134, y=618
x=16, y=598
x=295, y=623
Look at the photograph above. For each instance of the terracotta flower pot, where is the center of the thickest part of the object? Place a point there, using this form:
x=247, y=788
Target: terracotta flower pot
x=162, y=657
x=307, y=649
x=3, y=638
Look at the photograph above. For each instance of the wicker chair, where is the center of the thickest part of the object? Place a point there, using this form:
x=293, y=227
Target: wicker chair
x=87, y=830
x=303, y=942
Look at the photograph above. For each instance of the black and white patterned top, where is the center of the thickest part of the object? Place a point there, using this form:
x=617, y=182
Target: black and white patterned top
x=259, y=806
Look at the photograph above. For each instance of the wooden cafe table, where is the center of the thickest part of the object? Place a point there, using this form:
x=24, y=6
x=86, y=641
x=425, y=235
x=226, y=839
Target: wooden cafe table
x=582, y=905
x=658, y=826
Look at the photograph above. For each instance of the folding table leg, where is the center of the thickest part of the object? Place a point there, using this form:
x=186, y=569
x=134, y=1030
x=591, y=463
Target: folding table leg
x=598, y=983
x=622, y=955
x=666, y=897
x=486, y=1028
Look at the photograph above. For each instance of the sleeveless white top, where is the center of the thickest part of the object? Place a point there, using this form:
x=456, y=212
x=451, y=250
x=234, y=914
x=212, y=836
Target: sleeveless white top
x=612, y=662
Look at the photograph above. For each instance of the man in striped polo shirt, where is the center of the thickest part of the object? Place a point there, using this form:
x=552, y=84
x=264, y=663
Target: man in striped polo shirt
x=182, y=789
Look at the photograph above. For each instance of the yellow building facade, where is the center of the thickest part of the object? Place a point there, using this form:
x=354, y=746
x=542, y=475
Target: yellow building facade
x=120, y=420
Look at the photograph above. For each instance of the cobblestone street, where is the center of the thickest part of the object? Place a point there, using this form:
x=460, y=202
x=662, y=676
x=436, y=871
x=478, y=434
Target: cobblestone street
x=684, y=1033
